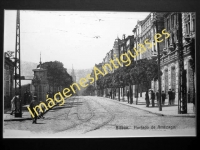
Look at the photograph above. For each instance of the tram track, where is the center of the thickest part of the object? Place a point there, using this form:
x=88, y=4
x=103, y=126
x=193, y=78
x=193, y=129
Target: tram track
x=89, y=119
x=105, y=122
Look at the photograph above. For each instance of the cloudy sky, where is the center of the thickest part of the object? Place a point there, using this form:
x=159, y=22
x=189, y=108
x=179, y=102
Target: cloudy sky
x=81, y=38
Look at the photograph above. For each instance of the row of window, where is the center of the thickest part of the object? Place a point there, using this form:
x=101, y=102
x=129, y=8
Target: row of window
x=146, y=24
x=172, y=21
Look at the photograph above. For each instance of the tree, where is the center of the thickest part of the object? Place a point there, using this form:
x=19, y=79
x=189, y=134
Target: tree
x=89, y=90
x=144, y=72
x=56, y=74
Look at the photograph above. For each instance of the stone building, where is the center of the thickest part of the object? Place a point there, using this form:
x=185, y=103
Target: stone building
x=180, y=26
x=137, y=36
x=40, y=83
x=8, y=80
x=146, y=29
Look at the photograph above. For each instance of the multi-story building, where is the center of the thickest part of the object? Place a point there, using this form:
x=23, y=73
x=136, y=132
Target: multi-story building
x=180, y=26
x=137, y=37
x=146, y=30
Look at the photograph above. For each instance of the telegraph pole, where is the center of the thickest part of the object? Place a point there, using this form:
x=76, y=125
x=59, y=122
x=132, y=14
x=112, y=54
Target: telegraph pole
x=17, y=77
x=182, y=103
x=159, y=80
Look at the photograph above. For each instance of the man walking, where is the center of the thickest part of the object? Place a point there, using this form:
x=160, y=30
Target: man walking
x=163, y=95
x=32, y=105
x=170, y=97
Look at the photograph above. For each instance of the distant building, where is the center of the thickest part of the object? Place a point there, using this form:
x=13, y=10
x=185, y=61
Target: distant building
x=40, y=83
x=73, y=75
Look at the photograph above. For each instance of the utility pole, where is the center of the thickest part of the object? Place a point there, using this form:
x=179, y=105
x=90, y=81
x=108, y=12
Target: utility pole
x=159, y=80
x=182, y=103
x=17, y=77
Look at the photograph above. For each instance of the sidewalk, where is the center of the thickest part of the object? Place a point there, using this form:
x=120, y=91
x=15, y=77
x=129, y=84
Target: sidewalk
x=25, y=115
x=166, y=109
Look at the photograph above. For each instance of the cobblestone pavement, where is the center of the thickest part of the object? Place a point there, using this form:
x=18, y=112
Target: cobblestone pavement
x=82, y=115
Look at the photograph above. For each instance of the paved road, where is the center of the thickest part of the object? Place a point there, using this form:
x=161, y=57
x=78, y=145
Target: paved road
x=95, y=115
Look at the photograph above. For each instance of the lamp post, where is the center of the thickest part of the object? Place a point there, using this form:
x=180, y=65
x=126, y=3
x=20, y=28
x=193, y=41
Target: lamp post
x=159, y=80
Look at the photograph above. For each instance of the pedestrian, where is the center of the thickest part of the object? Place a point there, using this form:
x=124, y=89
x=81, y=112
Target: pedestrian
x=194, y=107
x=173, y=96
x=128, y=95
x=152, y=97
x=29, y=97
x=111, y=94
x=13, y=101
x=147, y=98
x=43, y=109
x=170, y=97
x=163, y=95
x=25, y=97
x=32, y=105
x=157, y=97
x=50, y=95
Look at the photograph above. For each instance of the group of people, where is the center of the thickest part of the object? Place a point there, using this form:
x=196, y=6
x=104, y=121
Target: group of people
x=15, y=106
x=171, y=94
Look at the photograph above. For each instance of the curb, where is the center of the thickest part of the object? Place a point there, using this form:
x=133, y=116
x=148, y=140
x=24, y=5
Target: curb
x=22, y=119
x=18, y=119
x=159, y=114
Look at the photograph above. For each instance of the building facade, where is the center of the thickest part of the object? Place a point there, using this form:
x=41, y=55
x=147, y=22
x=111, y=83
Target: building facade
x=40, y=83
x=8, y=80
x=180, y=26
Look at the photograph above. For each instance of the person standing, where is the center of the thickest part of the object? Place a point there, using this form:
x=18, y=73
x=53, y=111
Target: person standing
x=170, y=97
x=157, y=97
x=13, y=101
x=163, y=95
x=173, y=96
x=110, y=94
x=147, y=98
x=128, y=95
x=152, y=97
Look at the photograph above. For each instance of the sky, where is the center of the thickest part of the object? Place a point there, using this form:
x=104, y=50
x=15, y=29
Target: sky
x=81, y=38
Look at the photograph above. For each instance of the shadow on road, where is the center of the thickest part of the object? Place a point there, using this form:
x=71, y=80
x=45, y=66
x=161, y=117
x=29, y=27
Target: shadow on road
x=68, y=105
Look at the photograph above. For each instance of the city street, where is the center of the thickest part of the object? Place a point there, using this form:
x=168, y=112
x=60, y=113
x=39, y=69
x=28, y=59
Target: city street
x=98, y=116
